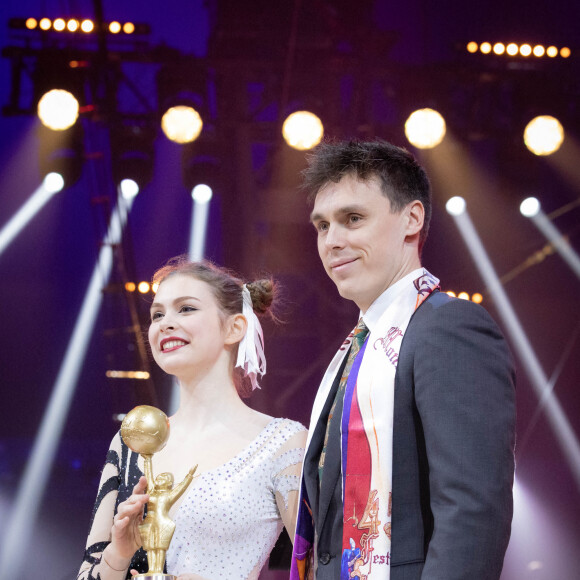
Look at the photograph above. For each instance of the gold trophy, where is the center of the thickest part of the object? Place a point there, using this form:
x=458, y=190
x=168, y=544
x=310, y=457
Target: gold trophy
x=145, y=430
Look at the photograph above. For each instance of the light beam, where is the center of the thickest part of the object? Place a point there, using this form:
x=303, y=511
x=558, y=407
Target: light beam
x=37, y=201
x=15, y=546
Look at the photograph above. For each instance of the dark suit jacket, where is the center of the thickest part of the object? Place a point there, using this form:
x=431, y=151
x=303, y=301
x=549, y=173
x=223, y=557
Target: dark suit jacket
x=453, y=442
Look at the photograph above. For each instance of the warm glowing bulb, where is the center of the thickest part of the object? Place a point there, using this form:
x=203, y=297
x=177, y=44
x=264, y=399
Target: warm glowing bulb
x=425, y=128
x=87, y=26
x=45, y=24
x=59, y=24
x=72, y=25
x=130, y=286
x=128, y=28
x=530, y=207
x=451, y=293
x=463, y=296
x=31, y=23
x=455, y=206
x=552, y=51
x=115, y=27
x=144, y=287
x=544, y=135
x=485, y=47
x=498, y=48
x=58, y=110
x=525, y=50
x=472, y=47
x=512, y=49
x=155, y=287
x=565, y=52
x=181, y=124
x=302, y=130
x=477, y=298
x=539, y=50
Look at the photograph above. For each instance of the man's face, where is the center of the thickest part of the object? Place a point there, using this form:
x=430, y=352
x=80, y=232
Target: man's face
x=363, y=245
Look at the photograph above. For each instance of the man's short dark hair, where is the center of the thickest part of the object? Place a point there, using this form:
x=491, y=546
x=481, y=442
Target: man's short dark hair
x=401, y=177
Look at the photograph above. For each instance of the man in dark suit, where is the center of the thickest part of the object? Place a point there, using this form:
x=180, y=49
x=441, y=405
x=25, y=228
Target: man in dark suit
x=409, y=467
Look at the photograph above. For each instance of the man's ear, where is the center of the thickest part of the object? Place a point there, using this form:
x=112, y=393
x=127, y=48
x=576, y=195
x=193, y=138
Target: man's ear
x=415, y=217
x=237, y=326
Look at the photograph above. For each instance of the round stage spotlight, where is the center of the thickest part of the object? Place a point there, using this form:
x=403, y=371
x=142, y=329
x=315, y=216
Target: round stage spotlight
x=129, y=188
x=302, y=130
x=181, y=124
x=201, y=193
x=53, y=182
x=530, y=207
x=425, y=128
x=87, y=26
x=455, y=206
x=543, y=135
x=58, y=109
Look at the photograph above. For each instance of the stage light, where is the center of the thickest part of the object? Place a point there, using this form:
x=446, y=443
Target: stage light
x=87, y=26
x=181, y=124
x=34, y=480
x=451, y=293
x=72, y=25
x=525, y=50
x=565, y=52
x=530, y=207
x=477, y=298
x=45, y=24
x=552, y=51
x=472, y=47
x=425, y=128
x=201, y=193
x=498, y=48
x=139, y=375
x=115, y=27
x=130, y=286
x=302, y=130
x=31, y=23
x=61, y=152
x=512, y=49
x=133, y=152
x=543, y=135
x=485, y=47
x=58, y=109
x=463, y=296
x=143, y=287
x=128, y=28
x=129, y=188
x=455, y=206
x=539, y=50
x=53, y=182
x=59, y=24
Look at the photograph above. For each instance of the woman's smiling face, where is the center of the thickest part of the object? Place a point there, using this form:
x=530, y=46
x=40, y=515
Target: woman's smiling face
x=186, y=333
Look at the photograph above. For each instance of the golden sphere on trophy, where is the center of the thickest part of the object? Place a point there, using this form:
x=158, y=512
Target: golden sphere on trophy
x=145, y=430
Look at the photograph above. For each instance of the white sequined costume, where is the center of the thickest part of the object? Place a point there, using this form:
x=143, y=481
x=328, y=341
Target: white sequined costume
x=229, y=520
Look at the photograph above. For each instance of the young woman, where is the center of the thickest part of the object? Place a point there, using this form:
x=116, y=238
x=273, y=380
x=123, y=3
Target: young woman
x=204, y=330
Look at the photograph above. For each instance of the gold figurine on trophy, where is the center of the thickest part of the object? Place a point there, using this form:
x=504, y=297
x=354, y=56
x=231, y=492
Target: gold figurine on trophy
x=145, y=430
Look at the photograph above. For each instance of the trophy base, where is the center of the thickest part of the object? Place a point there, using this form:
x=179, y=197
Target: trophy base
x=156, y=576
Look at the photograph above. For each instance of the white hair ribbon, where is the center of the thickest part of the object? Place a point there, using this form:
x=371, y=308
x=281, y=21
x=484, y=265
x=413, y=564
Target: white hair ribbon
x=251, y=357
